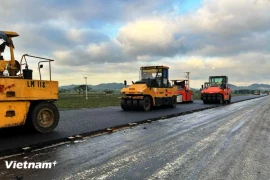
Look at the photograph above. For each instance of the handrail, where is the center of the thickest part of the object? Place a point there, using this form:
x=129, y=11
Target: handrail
x=49, y=68
x=47, y=60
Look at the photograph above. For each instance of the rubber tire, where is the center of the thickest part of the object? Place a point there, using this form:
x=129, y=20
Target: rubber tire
x=230, y=100
x=124, y=104
x=146, y=103
x=174, y=102
x=135, y=104
x=34, y=111
x=221, y=100
x=129, y=104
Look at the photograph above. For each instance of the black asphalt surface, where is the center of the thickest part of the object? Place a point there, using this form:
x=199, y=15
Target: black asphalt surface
x=228, y=142
x=74, y=122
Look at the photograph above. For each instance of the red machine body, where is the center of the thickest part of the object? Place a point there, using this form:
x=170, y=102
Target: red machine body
x=218, y=90
x=184, y=93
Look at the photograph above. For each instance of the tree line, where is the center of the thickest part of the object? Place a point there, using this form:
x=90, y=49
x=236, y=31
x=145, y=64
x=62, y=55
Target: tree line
x=81, y=89
x=248, y=91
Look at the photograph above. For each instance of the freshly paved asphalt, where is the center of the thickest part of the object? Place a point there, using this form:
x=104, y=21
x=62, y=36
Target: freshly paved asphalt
x=74, y=122
x=227, y=142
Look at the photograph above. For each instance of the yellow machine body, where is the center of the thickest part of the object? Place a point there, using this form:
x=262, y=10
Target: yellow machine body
x=20, y=94
x=138, y=91
x=153, y=89
x=13, y=113
x=26, y=89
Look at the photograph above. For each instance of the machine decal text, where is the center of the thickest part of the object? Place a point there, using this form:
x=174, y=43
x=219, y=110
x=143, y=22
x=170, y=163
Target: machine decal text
x=39, y=84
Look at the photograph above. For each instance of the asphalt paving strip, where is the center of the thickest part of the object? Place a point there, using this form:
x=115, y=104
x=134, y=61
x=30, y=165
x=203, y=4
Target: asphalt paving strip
x=87, y=122
x=228, y=142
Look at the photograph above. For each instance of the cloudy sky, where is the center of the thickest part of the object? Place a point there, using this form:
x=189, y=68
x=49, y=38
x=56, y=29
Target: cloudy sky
x=108, y=41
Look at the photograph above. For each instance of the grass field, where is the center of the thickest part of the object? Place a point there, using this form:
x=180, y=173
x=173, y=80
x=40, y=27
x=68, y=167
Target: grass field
x=95, y=100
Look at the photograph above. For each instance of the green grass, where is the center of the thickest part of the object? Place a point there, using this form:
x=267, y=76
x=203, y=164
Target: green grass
x=96, y=100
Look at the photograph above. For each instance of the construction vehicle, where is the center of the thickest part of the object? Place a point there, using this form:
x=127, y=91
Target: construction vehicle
x=185, y=94
x=24, y=100
x=218, y=90
x=206, y=85
x=257, y=92
x=153, y=89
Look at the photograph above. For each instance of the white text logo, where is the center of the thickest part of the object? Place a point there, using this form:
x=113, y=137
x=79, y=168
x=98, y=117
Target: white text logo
x=29, y=165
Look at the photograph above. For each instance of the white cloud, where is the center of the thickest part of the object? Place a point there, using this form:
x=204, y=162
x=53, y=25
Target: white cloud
x=221, y=37
x=61, y=55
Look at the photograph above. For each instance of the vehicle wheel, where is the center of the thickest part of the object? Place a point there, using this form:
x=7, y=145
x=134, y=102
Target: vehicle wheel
x=135, y=104
x=174, y=102
x=146, y=103
x=44, y=117
x=124, y=104
x=129, y=104
x=230, y=99
x=221, y=100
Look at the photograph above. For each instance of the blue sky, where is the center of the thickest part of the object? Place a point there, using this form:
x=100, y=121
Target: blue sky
x=188, y=6
x=181, y=7
x=101, y=39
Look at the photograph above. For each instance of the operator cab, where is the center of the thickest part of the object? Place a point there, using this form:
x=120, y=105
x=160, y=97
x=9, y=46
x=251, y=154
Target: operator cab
x=12, y=67
x=154, y=76
x=5, y=40
x=181, y=84
x=221, y=81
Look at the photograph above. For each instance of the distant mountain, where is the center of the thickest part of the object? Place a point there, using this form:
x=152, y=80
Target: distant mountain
x=103, y=86
x=109, y=86
x=233, y=87
x=68, y=87
x=251, y=87
x=260, y=86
